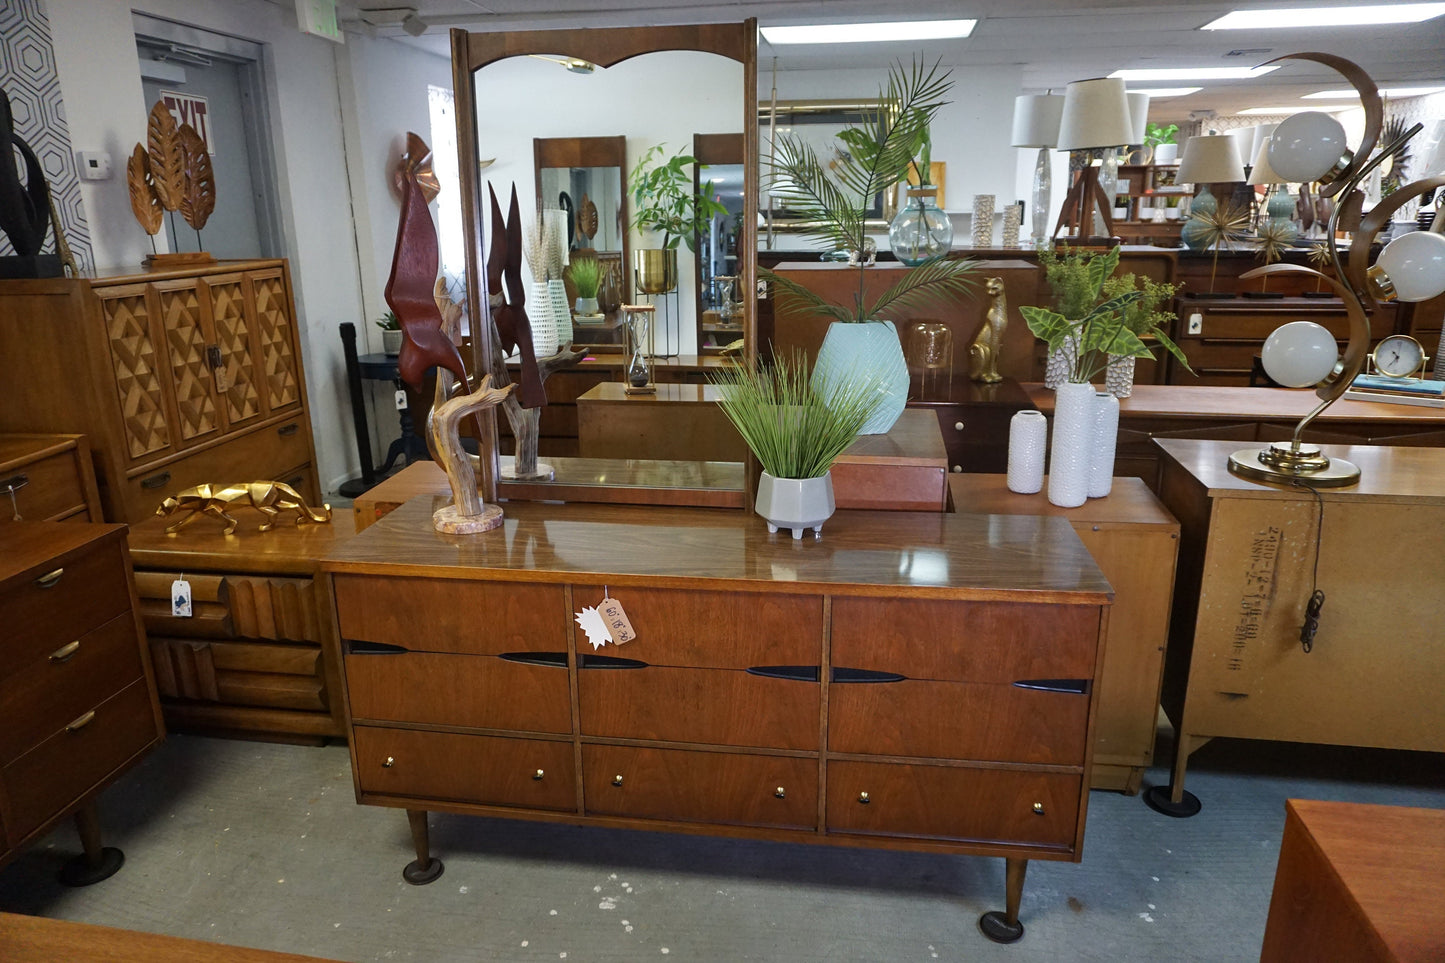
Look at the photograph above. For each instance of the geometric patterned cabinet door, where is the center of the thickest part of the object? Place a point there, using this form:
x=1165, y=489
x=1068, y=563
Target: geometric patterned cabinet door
x=178, y=376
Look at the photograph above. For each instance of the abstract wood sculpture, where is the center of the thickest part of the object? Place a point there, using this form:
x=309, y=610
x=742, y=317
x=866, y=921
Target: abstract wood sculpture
x=983, y=353
x=587, y=221
x=269, y=498
x=26, y=210
x=509, y=298
x=171, y=172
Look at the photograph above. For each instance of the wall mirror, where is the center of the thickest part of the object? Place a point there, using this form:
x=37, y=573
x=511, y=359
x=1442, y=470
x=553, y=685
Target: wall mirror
x=720, y=296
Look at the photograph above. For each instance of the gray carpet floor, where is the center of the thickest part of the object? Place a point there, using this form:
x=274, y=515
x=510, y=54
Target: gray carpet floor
x=264, y=846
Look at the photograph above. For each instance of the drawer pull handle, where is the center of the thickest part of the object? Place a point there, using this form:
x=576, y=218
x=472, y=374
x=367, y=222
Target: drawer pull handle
x=1038, y=809
x=537, y=775
x=390, y=761
x=958, y=426
x=608, y=662
x=1071, y=686
x=65, y=652
x=13, y=484
x=354, y=647
x=82, y=722
x=556, y=660
x=286, y=431
x=843, y=674
x=49, y=579
x=617, y=780
x=155, y=481
x=863, y=798
x=780, y=792
x=797, y=673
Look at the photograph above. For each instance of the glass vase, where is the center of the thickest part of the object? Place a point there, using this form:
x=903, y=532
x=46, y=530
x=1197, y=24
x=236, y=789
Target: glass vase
x=920, y=230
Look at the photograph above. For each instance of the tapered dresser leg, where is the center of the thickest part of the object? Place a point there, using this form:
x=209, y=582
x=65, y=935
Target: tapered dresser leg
x=425, y=867
x=1005, y=927
x=98, y=862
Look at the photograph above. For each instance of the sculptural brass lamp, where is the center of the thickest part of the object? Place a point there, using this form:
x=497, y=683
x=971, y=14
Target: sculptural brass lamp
x=1311, y=147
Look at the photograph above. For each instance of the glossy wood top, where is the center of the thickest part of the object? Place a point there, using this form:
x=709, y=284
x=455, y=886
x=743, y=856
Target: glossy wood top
x=32, y=939
x=615, y=393
x=617, y=360
x=286, y=549
x=860, y=553
x=914, y=439
x=27, y=548
x=1129, y=502
x=1209, y=403
x=130, y=274
x=21, y=449
x=1417, y=474
x=981, y=266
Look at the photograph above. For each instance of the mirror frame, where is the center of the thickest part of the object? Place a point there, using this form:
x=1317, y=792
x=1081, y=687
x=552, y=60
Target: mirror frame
x=604, y=47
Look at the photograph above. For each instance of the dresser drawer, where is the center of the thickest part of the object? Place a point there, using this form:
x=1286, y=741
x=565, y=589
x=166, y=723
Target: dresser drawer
x=725, y=630
x=232, y=606
x=478, y=618
x=47, y=488
x=487, y=770
x=975, y=805
x=42, y=697
x=716, y=706
x=956, y=720
x=266, y=675
x=77, y=758
x=484, y=692
x=708, y=787
x=46, y=611
x=965, y=641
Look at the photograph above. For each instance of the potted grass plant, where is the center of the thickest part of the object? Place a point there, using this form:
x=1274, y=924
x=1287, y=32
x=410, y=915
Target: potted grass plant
x=796, y=433
x=586, y=275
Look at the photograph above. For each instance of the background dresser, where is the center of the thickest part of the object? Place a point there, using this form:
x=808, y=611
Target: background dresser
x=51, y=478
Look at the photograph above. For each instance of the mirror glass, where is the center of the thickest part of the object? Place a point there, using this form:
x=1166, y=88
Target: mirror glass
x=720, y=172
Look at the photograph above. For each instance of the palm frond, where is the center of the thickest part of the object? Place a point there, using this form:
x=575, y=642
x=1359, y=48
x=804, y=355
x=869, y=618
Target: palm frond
x=935, y=280
x=790, y=292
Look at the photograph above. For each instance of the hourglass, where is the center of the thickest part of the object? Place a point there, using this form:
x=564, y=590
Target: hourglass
x=638, y=318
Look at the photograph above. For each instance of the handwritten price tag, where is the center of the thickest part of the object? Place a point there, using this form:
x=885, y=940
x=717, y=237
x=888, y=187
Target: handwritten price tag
x=616, y=621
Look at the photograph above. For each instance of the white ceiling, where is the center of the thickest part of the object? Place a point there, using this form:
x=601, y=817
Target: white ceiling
x=1055, y=41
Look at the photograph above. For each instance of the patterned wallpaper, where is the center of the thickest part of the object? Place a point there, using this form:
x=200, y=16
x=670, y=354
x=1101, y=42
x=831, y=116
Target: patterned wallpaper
x=28, y=74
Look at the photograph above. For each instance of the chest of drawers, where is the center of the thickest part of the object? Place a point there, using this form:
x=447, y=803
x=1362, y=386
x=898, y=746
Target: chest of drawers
x=47, y=478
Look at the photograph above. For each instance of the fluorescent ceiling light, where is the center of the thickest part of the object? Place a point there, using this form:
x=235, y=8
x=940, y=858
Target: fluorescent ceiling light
x=1384, y=92
x=1157, y=93
x=1193, y=73
x=1287, y=111
x=870, y=32
x=1308, y=18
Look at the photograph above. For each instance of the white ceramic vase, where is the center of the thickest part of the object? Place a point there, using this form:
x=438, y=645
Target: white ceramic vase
x=1119, y=375
x=871, y=348
x=1028, y=433
x=1101, y=448
x=1060, y=363
x=539, y=314
x=795, y=503
x=1070, y=454
x=561, y=315
x=391, y=342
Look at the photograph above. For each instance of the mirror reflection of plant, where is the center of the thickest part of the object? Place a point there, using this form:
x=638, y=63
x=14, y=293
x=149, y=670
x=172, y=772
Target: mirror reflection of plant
x=833, y=200
x=662, y=192
x=586, y=274
x=792, y=428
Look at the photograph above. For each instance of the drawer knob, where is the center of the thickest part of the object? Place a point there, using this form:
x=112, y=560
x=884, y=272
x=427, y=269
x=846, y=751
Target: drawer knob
x=390, y=761
x=780, y=792
x=958, y=426
x=617, y=780
x=538, y=774
x=863, y=798
x=957, y=469
x=82, y=722
x=65, y=652
x=49, y=579
x=1038, y=809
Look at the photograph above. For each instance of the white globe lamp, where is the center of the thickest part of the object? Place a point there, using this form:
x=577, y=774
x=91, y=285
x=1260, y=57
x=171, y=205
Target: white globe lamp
x=1410, y=268
x=1299, y=354
x=1309, y=147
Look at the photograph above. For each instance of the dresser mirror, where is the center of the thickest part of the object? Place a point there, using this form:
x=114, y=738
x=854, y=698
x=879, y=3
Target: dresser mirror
x=583, y=177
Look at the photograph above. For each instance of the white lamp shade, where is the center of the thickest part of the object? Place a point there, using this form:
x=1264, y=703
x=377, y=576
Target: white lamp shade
x=1036, y=119
x=1306, y=146
x=1415, y=265
x=1138, y=116
x=1211, y=159
x=1261, y=131
x=1261, y=172
x=1299, y=354
x=1096, y=114
x=1243, y=139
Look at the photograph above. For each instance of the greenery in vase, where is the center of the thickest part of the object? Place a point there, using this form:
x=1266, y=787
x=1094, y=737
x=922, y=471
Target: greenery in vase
x=665, y=202
x=833, y=199
x=586, y=274
x=1156, y=134
x=790, y=426
x=1105, y=315
x=388, y=322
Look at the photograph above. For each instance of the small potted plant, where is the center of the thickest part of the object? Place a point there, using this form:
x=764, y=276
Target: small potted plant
x=1148, y=318
x=1160, y=140
x=795, y=433
x=666, y=205
x=390, y=333
x=586, y=275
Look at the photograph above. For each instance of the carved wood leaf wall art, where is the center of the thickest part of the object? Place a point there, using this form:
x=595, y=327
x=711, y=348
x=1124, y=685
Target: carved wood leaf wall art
x=168, y=170
x=143, y=202
x=198, y=194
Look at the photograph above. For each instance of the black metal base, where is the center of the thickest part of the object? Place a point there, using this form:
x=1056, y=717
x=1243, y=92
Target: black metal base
x=1158, y=799
x=995, y=926
x=79, y=871
x=355, y=487
x=418, y=875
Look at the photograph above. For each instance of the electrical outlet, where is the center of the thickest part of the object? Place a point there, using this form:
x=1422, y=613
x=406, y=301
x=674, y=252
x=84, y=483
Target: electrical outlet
x=94, y=164
x=1196, y=323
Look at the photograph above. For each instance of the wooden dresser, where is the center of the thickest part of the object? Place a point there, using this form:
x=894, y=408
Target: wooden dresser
x=177, y=377
x=919, y=681
x=258, y=656
x=77, y=702
x=50, y=477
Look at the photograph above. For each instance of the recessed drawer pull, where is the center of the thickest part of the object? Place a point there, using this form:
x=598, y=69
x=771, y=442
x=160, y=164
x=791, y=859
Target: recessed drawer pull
x=390, y=761
x=797, y=673
x=556, y=660
x=780, y=792
x=1071, y=686
x=538, y=774
x=286, y=431
x=863, y=798
x=13, y=484
x=1038, y=809
x=845, y=674
x=155, y=481
x=65, y=652
x=353, y=647
x=49, y=579
x=608, y=662
x=617, y=780
x=82, y=722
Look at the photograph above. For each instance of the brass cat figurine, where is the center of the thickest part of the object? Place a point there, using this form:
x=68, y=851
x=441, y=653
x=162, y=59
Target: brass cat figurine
x=988, y=343
x=269, y=498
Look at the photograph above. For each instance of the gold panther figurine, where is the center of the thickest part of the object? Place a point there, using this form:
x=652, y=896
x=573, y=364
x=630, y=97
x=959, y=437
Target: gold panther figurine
x=267, y=497
x=988, y=343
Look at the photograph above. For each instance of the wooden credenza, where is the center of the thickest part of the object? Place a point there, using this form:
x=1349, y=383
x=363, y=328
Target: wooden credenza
x=911, y=680
x=176, y=376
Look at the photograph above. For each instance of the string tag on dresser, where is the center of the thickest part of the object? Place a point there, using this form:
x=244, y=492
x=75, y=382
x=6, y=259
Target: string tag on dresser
x=616, y=619
x=181, y=598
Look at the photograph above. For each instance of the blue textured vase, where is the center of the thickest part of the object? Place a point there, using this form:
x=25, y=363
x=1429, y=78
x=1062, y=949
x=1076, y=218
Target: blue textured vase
x=868, y=349
x=1194, y=233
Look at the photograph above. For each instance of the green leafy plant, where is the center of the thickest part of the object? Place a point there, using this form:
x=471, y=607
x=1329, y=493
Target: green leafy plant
x=792, y=428
x=586, y=274
x=1105, y=315
x=1156, y=134
x=388, y=322
x=662, y=192
x=833, y=199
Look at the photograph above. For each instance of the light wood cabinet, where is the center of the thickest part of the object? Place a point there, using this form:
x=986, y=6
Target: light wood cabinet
x=177, y=377
x=912, y=680
x=47, y=478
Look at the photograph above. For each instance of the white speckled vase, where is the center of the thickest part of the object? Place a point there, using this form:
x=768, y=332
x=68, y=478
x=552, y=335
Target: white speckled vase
x=870, y=348
x=1119, y=375
x=1105, y=440
x=1060, y=363
x=1028, y=433
x=1070, y=460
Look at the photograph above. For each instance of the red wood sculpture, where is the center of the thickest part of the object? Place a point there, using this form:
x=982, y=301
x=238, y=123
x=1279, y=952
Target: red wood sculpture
x=509, y=311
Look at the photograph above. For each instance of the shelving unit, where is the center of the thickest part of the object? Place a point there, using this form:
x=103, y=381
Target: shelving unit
x=1152, y=183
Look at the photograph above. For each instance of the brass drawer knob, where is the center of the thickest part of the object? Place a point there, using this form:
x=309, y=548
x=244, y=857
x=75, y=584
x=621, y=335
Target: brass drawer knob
x=82, y=722
x=390, y=761
x=863, y=798
x=617, y=780
x=49, y=579
x=780, y=792
x=1038, y=809
x=538, y=774
x=65, y=652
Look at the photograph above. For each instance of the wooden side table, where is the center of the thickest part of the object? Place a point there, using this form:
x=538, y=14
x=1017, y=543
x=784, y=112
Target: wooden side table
x=1135, y=542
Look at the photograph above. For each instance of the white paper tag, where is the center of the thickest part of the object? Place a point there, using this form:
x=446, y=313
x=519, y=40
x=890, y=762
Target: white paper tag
x=591, y=621
x=181, y=599
x=400, y=399
x=616, y=621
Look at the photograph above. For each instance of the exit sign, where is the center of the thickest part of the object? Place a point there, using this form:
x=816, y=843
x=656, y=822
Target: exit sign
x=319, y=17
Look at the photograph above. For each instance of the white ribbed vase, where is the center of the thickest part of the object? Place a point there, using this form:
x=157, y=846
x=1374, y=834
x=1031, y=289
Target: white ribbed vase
x=869, y=349
x=561, y=314
x=1119, y=375
x=539, y=314
x=1105, y=439
x=1028, y=433
x=1070, y=458
x=1060, y=363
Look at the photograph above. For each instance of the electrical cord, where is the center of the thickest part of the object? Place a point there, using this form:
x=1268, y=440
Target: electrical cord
x=1317, y=596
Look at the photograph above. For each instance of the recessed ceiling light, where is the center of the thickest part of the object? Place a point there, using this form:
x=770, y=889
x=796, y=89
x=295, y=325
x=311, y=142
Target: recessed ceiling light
x=1158, y=93
x=1287, y=111
x=1193, y=73
x=870, y=32
x=1309, y=18
x=1384, y=91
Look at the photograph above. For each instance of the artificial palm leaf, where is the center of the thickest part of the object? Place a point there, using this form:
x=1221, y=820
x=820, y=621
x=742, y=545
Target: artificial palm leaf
x=198, y=187
x=143, y=202
x=167, y=162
